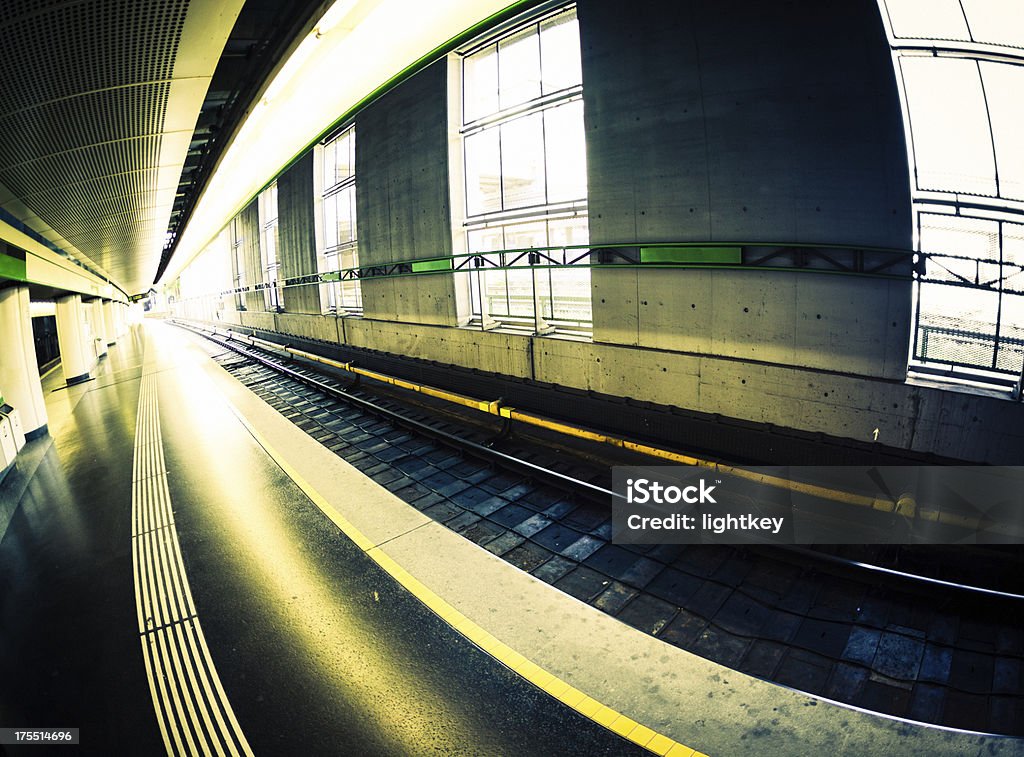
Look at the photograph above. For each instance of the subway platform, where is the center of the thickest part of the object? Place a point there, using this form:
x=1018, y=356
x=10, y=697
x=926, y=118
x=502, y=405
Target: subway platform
x=185, y=570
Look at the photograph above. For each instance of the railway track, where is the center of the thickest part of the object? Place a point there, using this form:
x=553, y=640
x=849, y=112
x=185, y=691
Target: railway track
x=911, y=645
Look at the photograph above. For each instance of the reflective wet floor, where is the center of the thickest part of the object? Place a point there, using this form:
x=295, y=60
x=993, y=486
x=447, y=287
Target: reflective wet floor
x=318, y=651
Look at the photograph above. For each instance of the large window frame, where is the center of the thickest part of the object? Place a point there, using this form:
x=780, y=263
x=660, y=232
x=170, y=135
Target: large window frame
x=961, y=84
x=523, y=174
x=237, y=242
x=336, y=233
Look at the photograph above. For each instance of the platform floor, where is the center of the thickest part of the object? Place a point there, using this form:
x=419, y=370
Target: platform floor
x=173, y=577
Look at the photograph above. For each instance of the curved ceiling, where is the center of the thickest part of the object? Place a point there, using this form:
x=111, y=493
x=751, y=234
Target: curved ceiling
x=107, y=112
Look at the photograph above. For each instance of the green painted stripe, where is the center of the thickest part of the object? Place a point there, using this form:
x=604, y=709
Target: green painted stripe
x=12, y=268
x=721, y=255
x=331, y=276
x=432, y=265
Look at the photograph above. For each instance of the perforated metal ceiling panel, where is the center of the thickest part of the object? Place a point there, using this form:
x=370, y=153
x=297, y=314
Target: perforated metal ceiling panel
x=96, y=114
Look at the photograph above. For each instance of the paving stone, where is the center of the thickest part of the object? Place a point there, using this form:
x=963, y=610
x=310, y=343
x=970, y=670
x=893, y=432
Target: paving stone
x=702, y=559
x=762, y=658
x=926, y=703
x=442, y=511
x=472, y=495
x=861, y=645
x=527, y=556
x=615, y=597
x=674, y=586
x=503, y=543
x=648, y=614
x=438, y=480
x=1006, y=676
x=781, y=626
x=428, y=500
x=613, y=560
x=641, y=573
x=586, y=517
x=556, y=537
x=881, y=697
x=1006, y=715
x=582, y=548
x=822, y=636
x=532, y=525
x=1010, y=641
x=935, y=664
x=971, y=671
x=560, y=509
x=450, y=490
x=742, y=615
x=553, y=569
x=511, y=515
x=462, y=521
x=482, y=532
x=898, y=656
x=490, y=505
x=846, y=682
x=804, y=670
x=721, y=646
x=968, y=711
x=708, y=599
x=583, y=583
x=400, y=483
x=684, y=629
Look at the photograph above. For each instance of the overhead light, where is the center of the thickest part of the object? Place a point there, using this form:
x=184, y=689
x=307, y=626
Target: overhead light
x=333, y=17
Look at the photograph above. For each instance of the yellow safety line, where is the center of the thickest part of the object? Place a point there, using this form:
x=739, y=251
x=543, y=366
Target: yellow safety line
x=583, y=703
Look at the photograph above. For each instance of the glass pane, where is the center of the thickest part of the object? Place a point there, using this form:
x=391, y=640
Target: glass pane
x=997, y=22
x=1013, y=259
x=1004, y=89
x=929, y=19
x=973, y=238
x=560, y=52
x=480, y=84
x=346, y=229
x=957, y=325
x=523, y=236
x=519, y=67
x=343, y=158
x=949, y=123
x=485, y=240
x=566, y=232
x=331, y=221
x=566, y=152
x=522, y=162
x=483, y=172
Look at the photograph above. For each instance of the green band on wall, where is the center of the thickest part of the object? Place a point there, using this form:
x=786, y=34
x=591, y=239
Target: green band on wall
x=432, y=265
x=721, y=255
x=12, y=268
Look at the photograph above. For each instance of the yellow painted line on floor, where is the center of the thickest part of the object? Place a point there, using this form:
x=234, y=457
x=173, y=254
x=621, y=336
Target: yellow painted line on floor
x=538, y=676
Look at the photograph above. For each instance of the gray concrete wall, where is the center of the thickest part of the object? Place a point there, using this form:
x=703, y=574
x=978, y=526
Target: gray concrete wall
x=733, y=122
x=925, y=419
x=296, y=242
x=402, y=205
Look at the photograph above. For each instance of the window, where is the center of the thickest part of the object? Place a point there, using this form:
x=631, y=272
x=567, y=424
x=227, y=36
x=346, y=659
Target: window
x=526, y=176
x=272, y=296
x=961, y=72
x=238, y=260
x=337, y=233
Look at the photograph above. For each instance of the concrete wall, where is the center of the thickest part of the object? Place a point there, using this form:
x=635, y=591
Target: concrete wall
x=952, y=424
x=296, y=242
x=733, y=122
x=402, y=205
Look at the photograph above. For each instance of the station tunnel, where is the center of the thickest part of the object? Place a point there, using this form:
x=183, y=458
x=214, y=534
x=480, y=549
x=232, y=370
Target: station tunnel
x=532, y=378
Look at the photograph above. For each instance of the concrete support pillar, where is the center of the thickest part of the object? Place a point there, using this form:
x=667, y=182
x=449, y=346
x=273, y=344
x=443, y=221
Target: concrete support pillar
x=109, y=321
x=19, y=374
x=76, y=355
x=97, y=335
